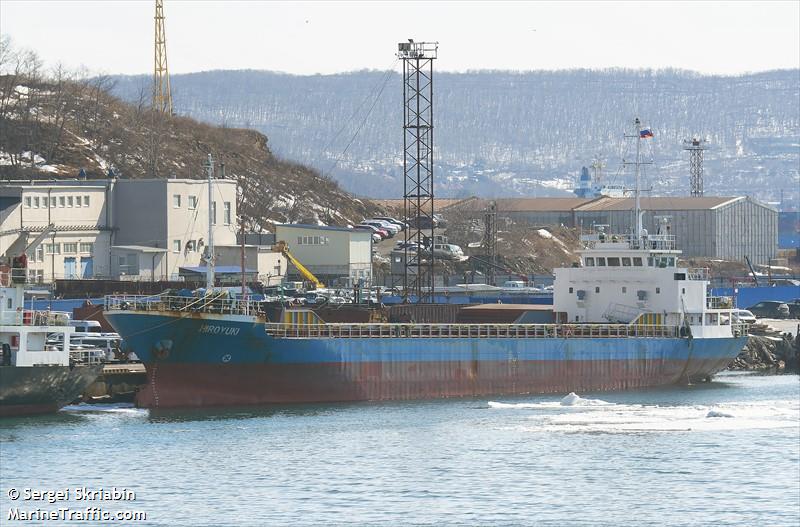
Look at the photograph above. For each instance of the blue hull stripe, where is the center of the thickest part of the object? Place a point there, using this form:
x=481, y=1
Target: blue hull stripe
x=214, y=342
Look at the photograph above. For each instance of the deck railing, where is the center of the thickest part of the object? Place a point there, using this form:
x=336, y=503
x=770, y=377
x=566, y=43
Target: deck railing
x=719, y=302
x=32, y=318
x=218, y=304
x=698, y=273
x=470, y=330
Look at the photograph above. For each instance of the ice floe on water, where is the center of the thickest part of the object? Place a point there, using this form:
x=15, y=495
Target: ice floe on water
x=574, y=414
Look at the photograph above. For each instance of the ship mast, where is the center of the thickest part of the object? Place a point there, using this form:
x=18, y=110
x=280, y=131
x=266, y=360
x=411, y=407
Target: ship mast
x=209, y=256
x=637, y=207
x=637, y=219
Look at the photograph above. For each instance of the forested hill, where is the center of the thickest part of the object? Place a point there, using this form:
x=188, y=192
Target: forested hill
x=502, y=133
x=60, y=126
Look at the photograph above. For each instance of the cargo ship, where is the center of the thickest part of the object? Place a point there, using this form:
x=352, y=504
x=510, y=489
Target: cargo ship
x=35, y=377
x=627, y=316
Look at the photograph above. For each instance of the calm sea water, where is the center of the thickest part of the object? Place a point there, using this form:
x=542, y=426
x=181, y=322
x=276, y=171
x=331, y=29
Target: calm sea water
x=725, y=453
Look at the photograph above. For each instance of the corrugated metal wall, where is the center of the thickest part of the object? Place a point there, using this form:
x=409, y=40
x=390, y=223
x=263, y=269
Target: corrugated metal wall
x=746, y=228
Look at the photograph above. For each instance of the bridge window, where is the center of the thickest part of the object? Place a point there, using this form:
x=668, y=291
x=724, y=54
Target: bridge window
x=601, y=262
x=613, y=261
x=588, y=261
x=637, y=261
x=626, y=262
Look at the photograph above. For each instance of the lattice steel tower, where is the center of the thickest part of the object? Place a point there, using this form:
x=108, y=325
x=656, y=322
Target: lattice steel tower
x=490, y=241
x=162, y=98
x=417, y=58
x=696, y=147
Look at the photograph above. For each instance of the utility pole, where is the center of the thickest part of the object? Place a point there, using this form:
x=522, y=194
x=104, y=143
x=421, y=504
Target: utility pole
x=209, y=251
x=696, y=147
x=490, y=241
x=162, y=96
x=240, y=211
x=417, y=58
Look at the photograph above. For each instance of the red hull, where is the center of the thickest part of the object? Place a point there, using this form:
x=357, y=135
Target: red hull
x=28, y=409
x=195, y=385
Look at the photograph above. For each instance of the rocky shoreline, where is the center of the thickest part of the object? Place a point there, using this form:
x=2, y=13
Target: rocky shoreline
x=769, y=354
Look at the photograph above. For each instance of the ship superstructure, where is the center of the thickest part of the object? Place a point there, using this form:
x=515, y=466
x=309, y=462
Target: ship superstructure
x=35, y=377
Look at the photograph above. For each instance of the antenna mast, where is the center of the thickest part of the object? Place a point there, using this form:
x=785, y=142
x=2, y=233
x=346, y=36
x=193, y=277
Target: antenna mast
x=638, y=134
x=162, y=97
x=417, y=58
x=696, y=147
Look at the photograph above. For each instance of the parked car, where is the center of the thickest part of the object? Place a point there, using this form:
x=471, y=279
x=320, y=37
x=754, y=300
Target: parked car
x=424, y=223
x=375, y=230
x=391, y=220
x=445, y=251
x=775, y=309
x=389, y=232
x=388, y=225
x=743, y=315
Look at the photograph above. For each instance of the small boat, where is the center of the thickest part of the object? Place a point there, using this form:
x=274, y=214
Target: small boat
x=36, y=377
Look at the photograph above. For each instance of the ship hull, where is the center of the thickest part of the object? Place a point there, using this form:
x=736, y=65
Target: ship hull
x=42, y=389
x=202, y=361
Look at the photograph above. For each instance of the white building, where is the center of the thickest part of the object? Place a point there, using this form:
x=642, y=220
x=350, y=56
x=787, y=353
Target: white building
x=170, y=215
x=332, y=254
x=70, y=222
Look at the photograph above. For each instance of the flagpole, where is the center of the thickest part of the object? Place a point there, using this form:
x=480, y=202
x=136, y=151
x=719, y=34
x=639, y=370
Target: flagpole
x=638, y=218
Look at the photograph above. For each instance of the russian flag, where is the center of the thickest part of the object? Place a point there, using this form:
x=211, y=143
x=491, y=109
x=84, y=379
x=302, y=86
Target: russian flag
x=644, y=134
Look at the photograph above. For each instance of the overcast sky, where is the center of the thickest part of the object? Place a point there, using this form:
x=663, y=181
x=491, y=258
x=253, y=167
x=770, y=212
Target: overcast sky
x=116, y=36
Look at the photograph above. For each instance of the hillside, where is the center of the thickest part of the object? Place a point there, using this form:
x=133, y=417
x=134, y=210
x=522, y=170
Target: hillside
x=507, y=134
x=54, y=127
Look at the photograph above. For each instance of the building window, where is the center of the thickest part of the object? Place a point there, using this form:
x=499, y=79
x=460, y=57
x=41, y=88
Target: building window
x=70, y=248
x=176, y=246
x=570, y=290
x=87, y=247
x=176, y=201
x=624, y=289
x=192, y=202
x=227, y=213
x=61, y=201
x=191, y=246
x=658, y=290
x=683, y=290
x=78, y=201
x=86, y=201
x=299, y=240
x=53, y=248
x=597, y=289
x=213, y=213
x=52, y=203
x=36, y=203
x=27, y=202
x=69, y=201
x=39, y=254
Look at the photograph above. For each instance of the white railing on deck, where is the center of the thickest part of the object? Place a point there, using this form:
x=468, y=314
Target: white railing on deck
x=698, y=273
x=218, y=304
x=719, y=302
x=470, y=330
x=32, y=318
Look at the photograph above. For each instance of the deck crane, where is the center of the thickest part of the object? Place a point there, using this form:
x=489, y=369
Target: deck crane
x=283, y=248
